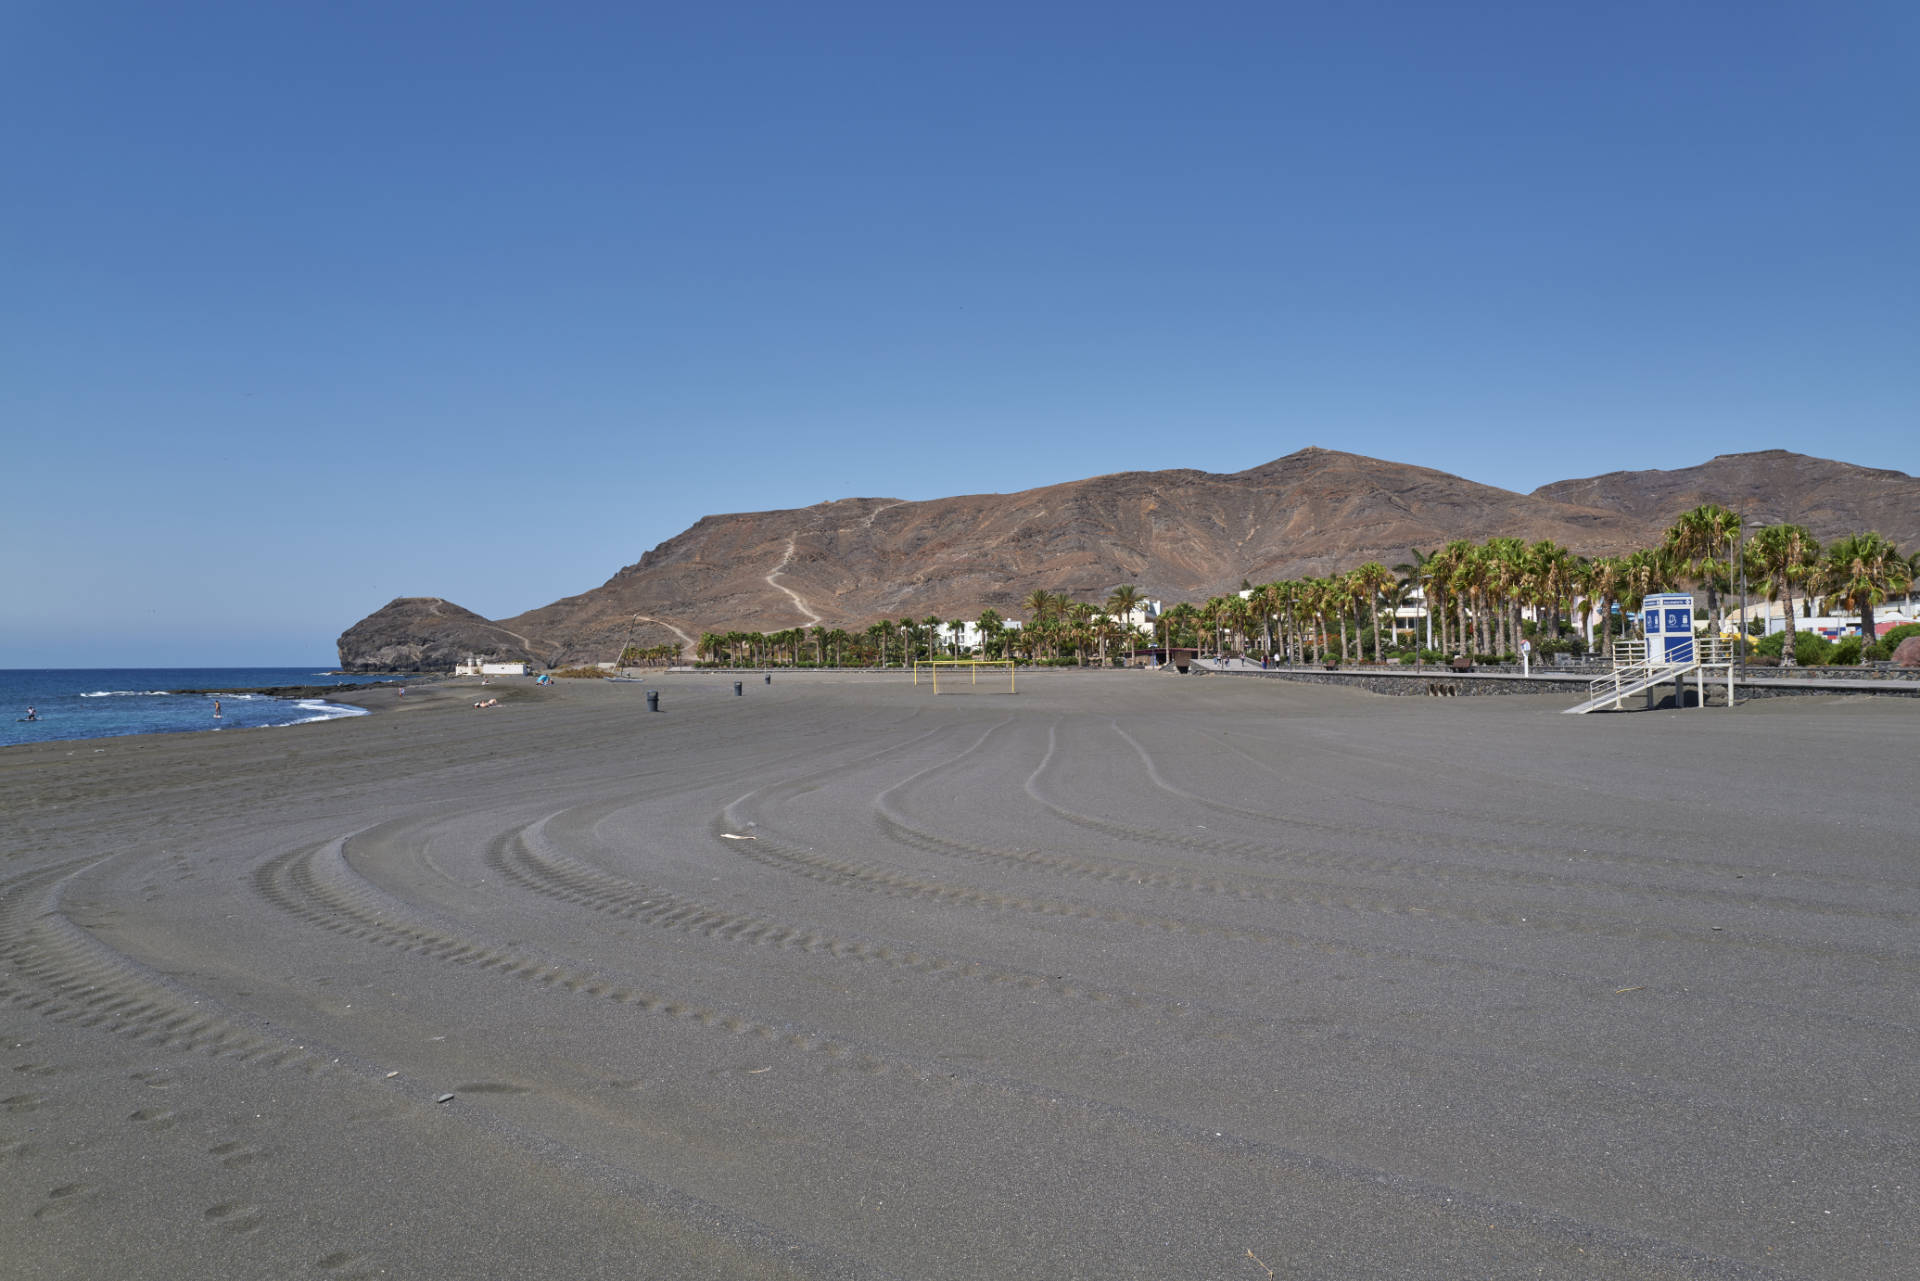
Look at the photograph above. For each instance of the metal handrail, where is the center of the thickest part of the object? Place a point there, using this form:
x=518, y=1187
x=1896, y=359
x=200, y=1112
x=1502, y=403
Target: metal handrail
x=1631, y=665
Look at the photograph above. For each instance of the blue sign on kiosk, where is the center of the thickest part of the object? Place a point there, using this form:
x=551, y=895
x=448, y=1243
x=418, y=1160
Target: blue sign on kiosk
x=1667, y=620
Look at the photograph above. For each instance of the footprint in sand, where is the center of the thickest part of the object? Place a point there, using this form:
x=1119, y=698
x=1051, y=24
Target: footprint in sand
x=234, y=1218
x=234, y=1155
x=64, y=1200
x=344, y=1259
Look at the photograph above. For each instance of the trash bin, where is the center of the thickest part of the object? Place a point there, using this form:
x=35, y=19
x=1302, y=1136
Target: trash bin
x=653, y=700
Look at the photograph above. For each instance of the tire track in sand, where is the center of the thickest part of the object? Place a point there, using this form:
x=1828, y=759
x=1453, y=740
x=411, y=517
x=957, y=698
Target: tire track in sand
x=1535, y=914
x=771, y=848
x=526, y=860
x=320, y=886
x=60, y=971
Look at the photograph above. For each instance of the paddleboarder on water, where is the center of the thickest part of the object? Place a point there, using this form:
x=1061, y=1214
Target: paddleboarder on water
x=32, y=715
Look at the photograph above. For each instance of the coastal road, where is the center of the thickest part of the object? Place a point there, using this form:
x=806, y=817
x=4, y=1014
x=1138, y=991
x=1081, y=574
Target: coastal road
x=1125, y=975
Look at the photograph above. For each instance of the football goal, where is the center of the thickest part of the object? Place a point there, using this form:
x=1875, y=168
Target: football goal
x=964, y=675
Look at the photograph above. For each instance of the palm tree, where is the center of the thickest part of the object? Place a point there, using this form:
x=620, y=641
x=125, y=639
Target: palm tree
x=1700, y=541
x=1552, y=570
x=1413, y=573
x=1641, y=574
x=1373, y=578
x=1436, y=579
x=1606, y=581
x=1121, y=602
x=1264, y=607
x=1241, y=612
x=1784, y=555
x=1508, y=581
x=1041, y=607
x=1311, y=597
x=1466, y=580
x=1179, y=620
x=1862, y=569
x=1210, y=616
x=990, y=629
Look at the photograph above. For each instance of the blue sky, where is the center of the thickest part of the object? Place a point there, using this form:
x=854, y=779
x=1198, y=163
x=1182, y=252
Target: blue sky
x=315, y=305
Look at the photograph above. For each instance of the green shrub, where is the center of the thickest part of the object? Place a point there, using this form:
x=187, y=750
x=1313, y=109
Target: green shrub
x=1810, y=649
x=1846, y=653
x=1574, y=644
x=1878, y=652
x=1893, y=638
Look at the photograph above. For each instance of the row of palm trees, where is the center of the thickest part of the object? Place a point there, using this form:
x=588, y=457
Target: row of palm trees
x=880, y=644
x=1059, y=627
x=1476, y=598
x=1476, y=595
x=650, y=655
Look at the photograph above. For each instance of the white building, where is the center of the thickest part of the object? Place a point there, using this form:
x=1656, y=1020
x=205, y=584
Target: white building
x=970, y=637
x=490, y=667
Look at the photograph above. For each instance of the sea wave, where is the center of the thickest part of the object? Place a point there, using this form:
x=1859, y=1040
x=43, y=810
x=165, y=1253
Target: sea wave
x=325, y=711
x=127, y=693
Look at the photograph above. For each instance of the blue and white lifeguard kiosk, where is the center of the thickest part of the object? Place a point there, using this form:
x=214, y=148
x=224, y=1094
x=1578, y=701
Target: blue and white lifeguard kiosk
x=1667, y=619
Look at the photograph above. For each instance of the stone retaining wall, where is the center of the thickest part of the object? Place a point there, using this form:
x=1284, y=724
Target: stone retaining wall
x=1423, y=683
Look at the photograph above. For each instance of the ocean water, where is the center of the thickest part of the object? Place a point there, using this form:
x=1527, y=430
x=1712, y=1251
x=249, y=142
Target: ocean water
x=106, y=702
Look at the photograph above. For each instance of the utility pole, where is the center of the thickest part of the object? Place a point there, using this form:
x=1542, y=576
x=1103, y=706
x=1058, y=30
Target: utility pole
x=1740, y=556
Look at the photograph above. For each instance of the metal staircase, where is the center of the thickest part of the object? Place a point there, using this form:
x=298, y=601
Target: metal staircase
x=1633, y=673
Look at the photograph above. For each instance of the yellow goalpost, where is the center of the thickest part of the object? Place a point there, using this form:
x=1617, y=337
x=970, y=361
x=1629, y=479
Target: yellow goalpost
x=968, y=681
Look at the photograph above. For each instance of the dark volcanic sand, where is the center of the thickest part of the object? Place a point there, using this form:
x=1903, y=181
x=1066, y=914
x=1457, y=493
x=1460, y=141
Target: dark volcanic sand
x=1124, y=976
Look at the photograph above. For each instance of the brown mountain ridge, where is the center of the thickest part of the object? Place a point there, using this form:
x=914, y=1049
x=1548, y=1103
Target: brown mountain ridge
x=1178, y=534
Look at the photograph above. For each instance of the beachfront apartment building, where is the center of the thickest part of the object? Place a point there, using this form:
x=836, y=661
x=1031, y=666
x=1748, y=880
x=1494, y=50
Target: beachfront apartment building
x=971, y=638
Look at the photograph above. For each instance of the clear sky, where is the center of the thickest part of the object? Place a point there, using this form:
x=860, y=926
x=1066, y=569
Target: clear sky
x=312, y=305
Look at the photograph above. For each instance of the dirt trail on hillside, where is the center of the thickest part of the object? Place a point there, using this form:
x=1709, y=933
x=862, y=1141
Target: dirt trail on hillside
x=773, y=580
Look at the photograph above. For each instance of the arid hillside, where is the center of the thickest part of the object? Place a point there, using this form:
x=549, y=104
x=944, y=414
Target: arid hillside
x=1174, y=534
